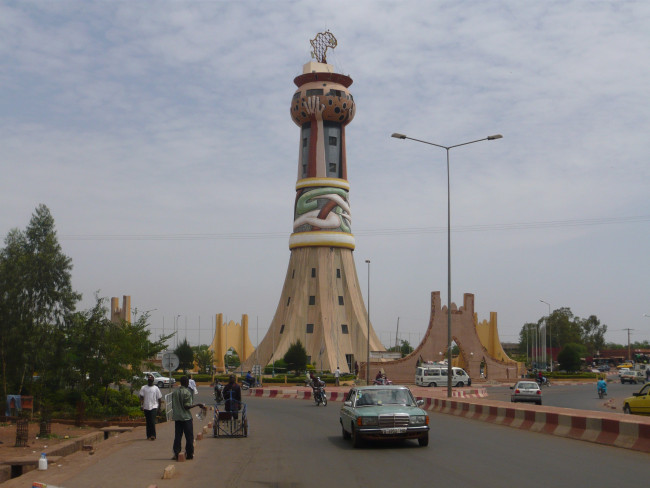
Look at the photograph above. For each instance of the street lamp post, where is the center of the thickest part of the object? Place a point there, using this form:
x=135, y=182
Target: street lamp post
x=368, y=350
x=447, y=148
x=550, y=335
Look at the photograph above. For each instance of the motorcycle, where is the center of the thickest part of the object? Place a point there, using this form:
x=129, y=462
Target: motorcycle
x=218, y=393
x=602, y=391
x=382, y=381
x=320, y=396
x=543, y=381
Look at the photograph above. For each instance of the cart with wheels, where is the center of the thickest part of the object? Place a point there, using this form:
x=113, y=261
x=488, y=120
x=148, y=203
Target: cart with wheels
x=232, y=422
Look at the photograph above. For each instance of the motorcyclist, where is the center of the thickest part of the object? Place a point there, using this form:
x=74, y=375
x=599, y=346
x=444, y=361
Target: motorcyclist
x=250, y=379
x=602, y=386
x=316, y=385
x=379, y=379
x=218, y=389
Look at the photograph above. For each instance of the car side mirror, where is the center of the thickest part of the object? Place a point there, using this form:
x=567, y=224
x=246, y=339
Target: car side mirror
x=420, y=402
x=347, y=403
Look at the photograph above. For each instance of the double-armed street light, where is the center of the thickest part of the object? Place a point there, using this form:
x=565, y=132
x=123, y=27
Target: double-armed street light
x=447, y=148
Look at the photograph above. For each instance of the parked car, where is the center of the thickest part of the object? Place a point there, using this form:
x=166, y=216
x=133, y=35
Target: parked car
x=526, y=391
x=623, y=370
x=638, y=403
x=383, y=412
x=603, y=368
x=632, y=377
x=159, y=380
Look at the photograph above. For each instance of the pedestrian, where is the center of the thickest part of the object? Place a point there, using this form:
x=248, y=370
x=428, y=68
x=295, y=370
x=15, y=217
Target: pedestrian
x=150, y=398
x=337, y=373
x=182, y=402
x=193, y=385
x=356, y=369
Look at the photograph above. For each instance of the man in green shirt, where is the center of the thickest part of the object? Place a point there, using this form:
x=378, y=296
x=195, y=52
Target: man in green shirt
x=182, y=402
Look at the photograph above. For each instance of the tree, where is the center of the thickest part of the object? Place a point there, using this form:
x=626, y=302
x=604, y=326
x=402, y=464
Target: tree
x=205, y=359
x=296, y=357
x=570, y=357
x=405, y=348
x=185, y=355
x=36, y=297
x=593, y=334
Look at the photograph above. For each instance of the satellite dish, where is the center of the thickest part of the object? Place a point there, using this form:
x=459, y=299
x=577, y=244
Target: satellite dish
x=170, y=361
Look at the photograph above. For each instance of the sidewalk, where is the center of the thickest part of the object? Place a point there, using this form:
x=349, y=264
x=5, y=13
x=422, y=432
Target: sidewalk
x=130, y=454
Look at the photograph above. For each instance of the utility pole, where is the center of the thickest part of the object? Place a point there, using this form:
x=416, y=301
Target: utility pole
x=629, y=349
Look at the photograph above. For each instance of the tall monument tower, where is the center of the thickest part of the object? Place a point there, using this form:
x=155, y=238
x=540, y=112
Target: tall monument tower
x=321, y=303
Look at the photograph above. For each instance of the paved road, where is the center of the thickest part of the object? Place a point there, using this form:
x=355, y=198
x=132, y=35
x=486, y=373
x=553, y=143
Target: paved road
x=293, y=443
x=582, y=397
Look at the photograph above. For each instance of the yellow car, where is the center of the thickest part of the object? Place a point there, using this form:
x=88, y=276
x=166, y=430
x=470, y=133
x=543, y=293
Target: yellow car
x=639, y=403
x=625, y=365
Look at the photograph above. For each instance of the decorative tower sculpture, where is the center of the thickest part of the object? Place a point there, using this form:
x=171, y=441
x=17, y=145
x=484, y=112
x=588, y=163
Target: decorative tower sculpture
x=321, y=303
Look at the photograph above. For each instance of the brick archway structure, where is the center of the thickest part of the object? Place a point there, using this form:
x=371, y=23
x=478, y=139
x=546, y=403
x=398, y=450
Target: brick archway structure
x=478, y=343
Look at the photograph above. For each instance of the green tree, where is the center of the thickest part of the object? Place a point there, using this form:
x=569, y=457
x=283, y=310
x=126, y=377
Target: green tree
x=205, y=359
x=570, y=357
x=593, y=334
x=296, y=357
x=36, y=297
x=185, y=356
x=404, y=348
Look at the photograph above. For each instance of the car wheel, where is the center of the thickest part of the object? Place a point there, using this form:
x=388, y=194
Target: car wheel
x=356, y=438
x=345, y=433
x=424, y=440
x=160, y=384
x=626, y=409
x=432, y=385
x=460, y=384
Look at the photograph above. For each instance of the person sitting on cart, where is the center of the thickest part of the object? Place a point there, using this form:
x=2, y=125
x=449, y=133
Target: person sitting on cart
x=232, y=395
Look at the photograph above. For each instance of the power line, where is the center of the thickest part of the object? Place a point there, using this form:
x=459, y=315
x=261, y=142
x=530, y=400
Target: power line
x=367, y=232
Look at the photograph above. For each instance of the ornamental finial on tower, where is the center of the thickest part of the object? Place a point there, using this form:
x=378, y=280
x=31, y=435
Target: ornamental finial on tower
x=320, y=43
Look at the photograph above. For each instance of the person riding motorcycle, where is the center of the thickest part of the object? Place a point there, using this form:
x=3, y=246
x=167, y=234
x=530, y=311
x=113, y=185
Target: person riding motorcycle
x=601, y=386
x=250, y=379
x=316, y=385
x=218, y=391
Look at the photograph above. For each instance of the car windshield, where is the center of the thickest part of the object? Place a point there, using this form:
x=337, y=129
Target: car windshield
x=368, y=398
x=527, y=386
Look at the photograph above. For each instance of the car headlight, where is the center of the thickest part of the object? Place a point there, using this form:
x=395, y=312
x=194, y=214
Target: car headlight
x=367, y=421
x=417, y=419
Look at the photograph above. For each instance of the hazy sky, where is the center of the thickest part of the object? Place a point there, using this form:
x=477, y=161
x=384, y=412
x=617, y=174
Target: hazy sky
x=159, y=136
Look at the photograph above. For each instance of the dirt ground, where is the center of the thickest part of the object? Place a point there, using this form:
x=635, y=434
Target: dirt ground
x=58, y=433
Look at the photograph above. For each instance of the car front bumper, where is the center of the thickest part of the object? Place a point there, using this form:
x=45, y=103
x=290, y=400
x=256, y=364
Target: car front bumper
x=392, y=433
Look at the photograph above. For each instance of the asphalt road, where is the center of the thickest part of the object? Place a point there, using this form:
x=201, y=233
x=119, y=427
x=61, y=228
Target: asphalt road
x=581, y=397
x=293, y=443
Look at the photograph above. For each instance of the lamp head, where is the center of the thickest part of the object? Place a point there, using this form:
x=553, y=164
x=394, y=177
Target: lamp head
x=398, y=136
x=495, y=136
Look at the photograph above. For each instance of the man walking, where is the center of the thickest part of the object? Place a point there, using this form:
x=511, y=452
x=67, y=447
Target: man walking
x=150, y=397
x=182, y=402
x=337, y=374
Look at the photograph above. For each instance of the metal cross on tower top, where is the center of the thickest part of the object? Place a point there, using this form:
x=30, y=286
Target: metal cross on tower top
x=320, y=43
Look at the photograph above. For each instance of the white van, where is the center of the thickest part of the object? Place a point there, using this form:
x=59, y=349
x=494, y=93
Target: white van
x=437, y=376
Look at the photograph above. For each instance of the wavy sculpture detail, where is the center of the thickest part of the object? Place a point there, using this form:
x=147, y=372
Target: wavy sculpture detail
x=334, y=214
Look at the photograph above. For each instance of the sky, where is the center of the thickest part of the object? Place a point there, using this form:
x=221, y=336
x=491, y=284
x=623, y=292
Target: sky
x=158, y=134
